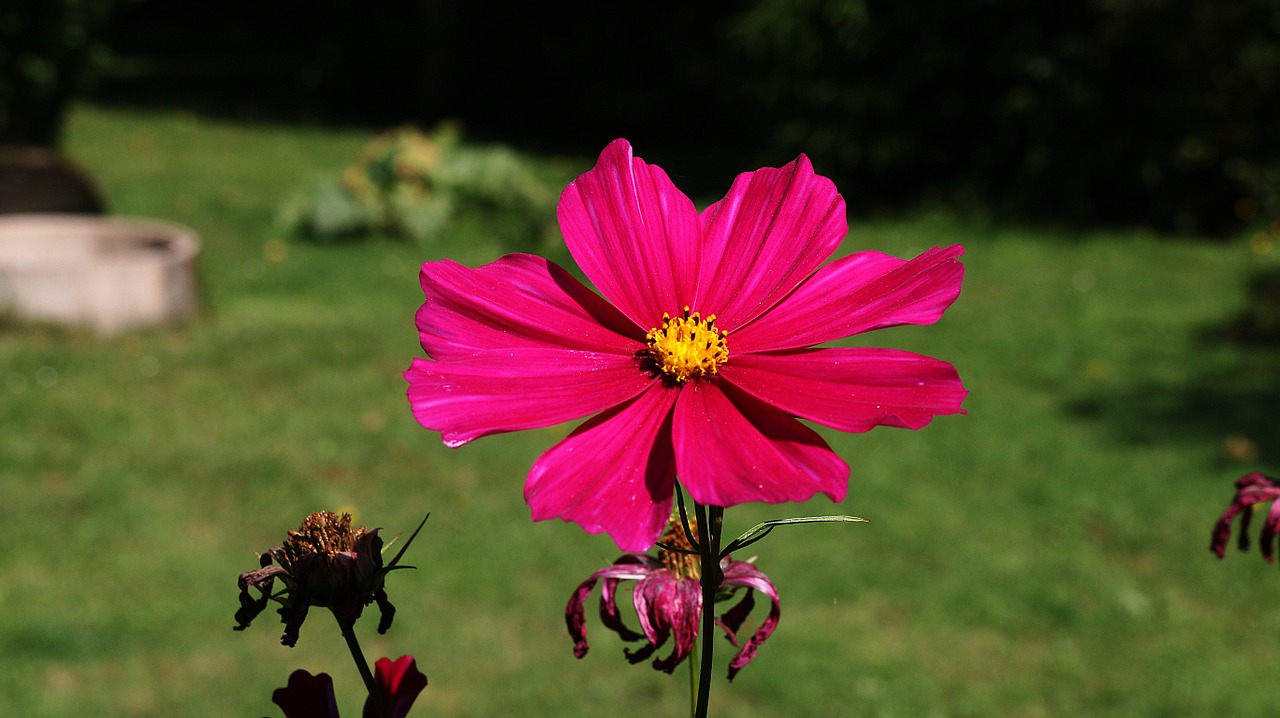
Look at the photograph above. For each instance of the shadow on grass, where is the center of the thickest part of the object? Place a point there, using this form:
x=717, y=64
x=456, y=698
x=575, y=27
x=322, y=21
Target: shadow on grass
x=1225, y=391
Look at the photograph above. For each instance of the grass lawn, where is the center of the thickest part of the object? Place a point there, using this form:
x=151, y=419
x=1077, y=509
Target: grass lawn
x=1044, y=555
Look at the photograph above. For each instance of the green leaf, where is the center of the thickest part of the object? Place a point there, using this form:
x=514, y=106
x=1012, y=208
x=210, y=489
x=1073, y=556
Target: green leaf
x=760, y=530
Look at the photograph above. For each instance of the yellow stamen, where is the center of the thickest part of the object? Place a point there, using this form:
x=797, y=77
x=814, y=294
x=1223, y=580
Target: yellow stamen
x=683, y=565
x=687, y=346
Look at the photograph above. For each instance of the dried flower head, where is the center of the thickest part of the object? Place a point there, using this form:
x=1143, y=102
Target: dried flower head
x=327, y=564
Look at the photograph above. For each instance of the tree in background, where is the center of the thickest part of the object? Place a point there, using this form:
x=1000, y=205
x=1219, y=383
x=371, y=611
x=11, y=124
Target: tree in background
x=47, y=48
x=1156, y=111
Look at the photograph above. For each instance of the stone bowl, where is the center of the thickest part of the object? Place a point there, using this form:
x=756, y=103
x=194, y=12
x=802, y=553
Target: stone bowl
x=107, y=273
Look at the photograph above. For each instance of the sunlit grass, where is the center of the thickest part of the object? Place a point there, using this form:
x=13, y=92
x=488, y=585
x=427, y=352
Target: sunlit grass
x=1044, y=555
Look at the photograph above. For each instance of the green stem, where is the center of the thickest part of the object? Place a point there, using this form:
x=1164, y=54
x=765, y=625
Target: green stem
x=709, y=520
x=693, y=684
x=349, y=633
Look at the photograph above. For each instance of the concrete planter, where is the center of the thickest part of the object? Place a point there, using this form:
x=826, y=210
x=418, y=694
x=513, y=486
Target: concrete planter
x=109, y=273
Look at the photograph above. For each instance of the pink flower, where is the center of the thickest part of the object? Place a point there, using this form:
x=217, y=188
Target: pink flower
x=308, y=696
x=1252, y=488
x=700, y=360
x=668, y=602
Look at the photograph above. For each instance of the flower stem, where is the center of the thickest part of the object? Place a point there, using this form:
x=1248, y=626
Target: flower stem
x=693, y=684
x=709, y=521
x=349, y=633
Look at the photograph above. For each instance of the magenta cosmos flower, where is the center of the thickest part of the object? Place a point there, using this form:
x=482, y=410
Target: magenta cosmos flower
x=700, y=356
x=668, y=603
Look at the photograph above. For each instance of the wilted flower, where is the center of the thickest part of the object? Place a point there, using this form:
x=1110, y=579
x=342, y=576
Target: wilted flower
x=1252, y=488
x=700, y=359
x=668, y=602
x=324, y=564
x=308, y=696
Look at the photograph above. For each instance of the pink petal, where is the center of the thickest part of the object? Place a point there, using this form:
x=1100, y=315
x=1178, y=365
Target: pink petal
x=650, y=598
x=851, y=389
x=633, y=234
x=856, y=294
x=732, y=448
x=518, y=389
x=669, y=606
x=518, y=301
x=744, y=575
x=773, y=228
x=627, y=568
x=614, y=474
x=1252, y=488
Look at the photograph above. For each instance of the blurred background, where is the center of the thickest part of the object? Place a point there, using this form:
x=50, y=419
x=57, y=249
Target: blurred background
x=1156, y=112
x=1111, y=167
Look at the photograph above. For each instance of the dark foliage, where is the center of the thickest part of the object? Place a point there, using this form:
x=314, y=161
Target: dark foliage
x=1155, y=112
x=46, y=50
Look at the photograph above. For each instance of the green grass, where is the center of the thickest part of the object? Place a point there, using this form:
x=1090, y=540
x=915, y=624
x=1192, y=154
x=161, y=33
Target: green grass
x=1044, y=555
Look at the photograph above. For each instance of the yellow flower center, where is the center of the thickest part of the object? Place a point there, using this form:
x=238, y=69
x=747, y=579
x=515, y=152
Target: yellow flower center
x=687, y=346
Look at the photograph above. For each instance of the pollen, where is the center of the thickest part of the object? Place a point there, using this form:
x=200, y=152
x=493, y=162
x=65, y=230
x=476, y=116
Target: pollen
x=323, y=532
x=687, y=346
x=680, y=558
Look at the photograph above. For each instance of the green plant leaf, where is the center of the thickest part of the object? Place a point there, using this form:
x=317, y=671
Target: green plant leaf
x=760, y=530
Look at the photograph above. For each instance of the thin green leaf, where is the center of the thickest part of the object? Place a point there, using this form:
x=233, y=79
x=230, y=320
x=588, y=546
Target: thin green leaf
x=760, y=530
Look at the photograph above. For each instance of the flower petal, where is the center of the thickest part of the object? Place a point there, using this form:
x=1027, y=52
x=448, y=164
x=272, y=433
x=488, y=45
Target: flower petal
x=648, y=600
x=671, y=606
x=744, y=575
x=641, y=565
x=629, y=567
x=400, y=682
x=519, y=301
x=307, y=696
x=633, y=234
x=518, y=389
x=732, y=448
x=851, y=389
x=1251, y=489
x=773, y=228
x=613, y=474
x=856, y=294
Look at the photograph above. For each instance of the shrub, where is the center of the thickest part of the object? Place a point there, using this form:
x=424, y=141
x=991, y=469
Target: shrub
x=409, y=184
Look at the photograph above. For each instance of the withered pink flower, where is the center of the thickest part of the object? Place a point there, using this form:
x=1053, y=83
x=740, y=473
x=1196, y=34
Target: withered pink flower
x=1251, y=489
x=699, y=358
x=668, y=603
x=308, y=696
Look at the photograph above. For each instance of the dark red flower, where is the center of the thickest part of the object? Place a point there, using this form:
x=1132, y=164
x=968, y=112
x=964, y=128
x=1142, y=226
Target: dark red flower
x=400, y=682
x=668, y=602
x=1252, y=488
x=308, y=696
